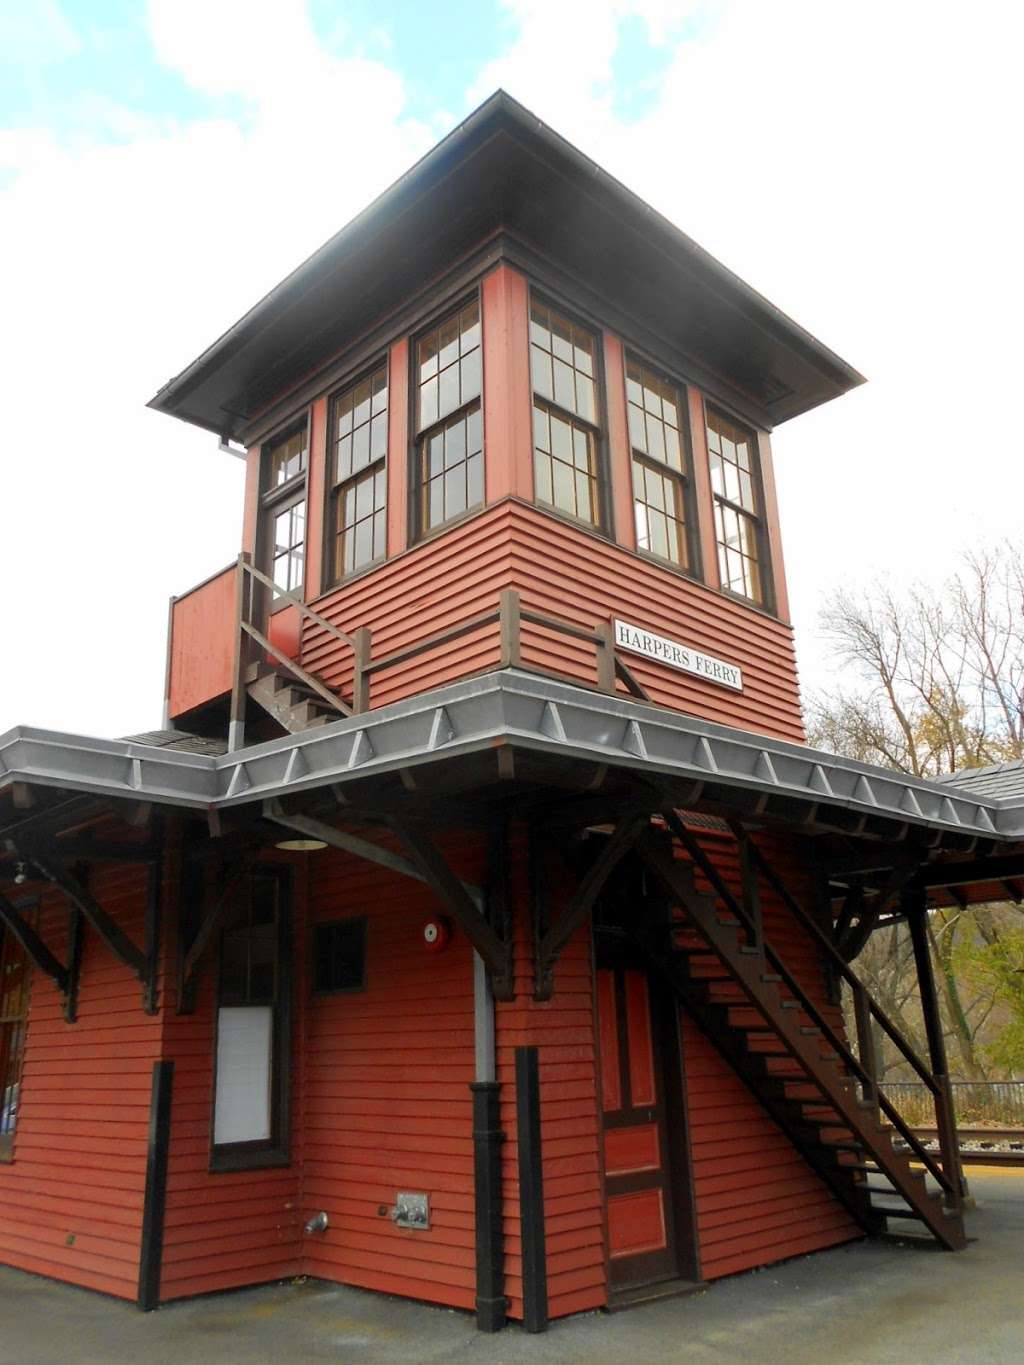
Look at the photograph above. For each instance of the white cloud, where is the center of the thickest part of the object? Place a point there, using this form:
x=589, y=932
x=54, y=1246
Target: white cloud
x=118, y=263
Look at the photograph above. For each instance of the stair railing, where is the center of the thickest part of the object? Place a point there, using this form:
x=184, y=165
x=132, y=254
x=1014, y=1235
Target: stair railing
x=359, y=642
x=866, y=1009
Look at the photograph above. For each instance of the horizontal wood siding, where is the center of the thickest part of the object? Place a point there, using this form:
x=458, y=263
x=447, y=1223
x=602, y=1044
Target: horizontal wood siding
x=226, y=1229
x=388, y=1106
x=202, y=643
x=562, y=1029
x=71, y=1200
x=564, y=571
x=757, y=1199
x=447, y=580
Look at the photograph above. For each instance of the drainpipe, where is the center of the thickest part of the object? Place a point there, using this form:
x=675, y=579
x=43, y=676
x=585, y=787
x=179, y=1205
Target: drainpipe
x=487, y=1138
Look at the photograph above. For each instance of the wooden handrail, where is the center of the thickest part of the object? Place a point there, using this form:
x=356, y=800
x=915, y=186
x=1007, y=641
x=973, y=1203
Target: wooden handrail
x=509, y=615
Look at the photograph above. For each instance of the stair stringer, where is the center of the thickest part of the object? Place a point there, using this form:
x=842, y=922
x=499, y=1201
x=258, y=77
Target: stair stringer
x=863, y=1119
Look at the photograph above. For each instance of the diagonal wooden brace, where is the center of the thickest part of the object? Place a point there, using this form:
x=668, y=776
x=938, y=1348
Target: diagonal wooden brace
x=465, y=908
x=48, y=861
x=37, y=950
x=549, y=946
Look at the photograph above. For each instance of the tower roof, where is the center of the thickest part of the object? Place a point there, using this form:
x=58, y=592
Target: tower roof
x=503, y=177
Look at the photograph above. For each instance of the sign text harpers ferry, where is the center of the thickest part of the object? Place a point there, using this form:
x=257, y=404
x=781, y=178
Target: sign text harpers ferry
x=679, y=656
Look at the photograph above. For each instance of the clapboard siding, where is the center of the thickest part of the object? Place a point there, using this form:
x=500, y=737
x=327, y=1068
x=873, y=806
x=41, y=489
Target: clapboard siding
x=564, y=571
x=757, y=1199
x=446, y=580
x=562, y=1029
x=387, y=1102
x=567, y=573
x=71, y=1200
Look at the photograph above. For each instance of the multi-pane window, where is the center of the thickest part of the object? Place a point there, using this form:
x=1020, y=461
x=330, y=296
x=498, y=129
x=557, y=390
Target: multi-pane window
x=449, y=427
x=565, y=414
x=14, y=987
x=359, y=473
x=284, y=509
x=251, y=1083
x=738, y=525
x=660, y=485
x=289, y=548
x=287, y=459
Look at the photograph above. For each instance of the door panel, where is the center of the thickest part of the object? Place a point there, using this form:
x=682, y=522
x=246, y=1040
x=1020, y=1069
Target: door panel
x=638, y=1192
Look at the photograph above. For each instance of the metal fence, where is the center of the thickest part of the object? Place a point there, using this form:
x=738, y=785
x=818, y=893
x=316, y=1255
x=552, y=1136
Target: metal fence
x=973, y=1101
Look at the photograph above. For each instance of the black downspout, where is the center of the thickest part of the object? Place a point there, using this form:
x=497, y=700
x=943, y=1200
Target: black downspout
x=491, y=1303
x=531, y=1191
x=151, y=1250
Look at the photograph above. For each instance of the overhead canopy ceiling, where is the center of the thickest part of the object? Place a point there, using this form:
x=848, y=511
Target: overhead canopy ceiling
x=502, y=169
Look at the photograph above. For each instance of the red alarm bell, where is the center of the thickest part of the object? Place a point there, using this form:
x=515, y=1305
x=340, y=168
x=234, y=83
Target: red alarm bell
x=437, y=933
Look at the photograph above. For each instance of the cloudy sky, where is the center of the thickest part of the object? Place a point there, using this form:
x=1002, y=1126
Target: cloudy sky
x=162, y=165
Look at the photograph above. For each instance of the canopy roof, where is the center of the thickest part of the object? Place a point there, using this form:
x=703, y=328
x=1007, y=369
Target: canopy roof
x=502, y=174
x=544, y=719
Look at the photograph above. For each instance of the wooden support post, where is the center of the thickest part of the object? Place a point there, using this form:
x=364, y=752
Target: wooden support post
x=531, y=1191
x=155, y=1197
x=511, y=626
x=76, y=937
x=915, y=908
x=362, y=651
x=236, y=719
x=750, y=890
x=154, y=903
x=606, y=657
x=866, y=1052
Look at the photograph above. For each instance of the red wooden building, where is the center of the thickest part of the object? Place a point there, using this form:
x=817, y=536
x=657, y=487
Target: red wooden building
x=475, y=927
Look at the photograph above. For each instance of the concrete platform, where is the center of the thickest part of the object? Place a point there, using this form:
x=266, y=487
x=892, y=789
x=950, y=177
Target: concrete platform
x=865, y=1303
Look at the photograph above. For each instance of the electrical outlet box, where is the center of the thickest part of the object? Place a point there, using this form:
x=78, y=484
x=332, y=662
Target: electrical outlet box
x=412, y=1211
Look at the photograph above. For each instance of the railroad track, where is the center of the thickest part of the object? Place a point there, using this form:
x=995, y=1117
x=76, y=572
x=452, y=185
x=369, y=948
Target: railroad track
x=976, y=1155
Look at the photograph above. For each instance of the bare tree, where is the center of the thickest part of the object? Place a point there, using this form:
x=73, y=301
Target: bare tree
x=932, y=682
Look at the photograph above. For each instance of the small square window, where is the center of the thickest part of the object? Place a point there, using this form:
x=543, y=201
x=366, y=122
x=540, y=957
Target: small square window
x=339, y=956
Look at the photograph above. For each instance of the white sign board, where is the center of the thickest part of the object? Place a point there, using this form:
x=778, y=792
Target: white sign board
x=683, y=657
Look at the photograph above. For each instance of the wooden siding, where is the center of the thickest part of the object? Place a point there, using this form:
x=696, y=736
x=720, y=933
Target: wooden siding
x=564, y=571
x=71, y=1200
x=757, y=1199
x=448, y=579
x=563, y=1030
x=388, y=1105
x=567, y=572
x=202, y=643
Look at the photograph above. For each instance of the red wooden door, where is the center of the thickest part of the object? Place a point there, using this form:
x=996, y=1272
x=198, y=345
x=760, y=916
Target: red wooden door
x=641, y=1237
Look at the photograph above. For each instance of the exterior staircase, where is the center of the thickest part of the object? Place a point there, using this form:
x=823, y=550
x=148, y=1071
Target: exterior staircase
x=290, y=702
x=801, y=1070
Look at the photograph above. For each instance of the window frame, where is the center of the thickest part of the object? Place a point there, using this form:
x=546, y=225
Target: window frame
x=694, y=569
x=758, y=518
x=273, y=501
x=274, y=1150
x=418, y=532
x=329, y=578
x=7, y=939
x=605, y=525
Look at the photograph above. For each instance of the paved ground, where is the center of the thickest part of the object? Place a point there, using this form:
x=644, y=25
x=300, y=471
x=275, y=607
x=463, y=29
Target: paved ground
x=860, y=1305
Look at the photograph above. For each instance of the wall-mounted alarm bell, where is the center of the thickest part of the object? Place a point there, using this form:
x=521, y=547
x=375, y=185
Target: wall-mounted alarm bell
x=437, y=933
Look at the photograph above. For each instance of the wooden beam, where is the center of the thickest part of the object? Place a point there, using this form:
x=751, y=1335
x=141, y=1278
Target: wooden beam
x=33, y=944
x=463, y=904
x=47, y=859
x=622, y=839
x=213, y=920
